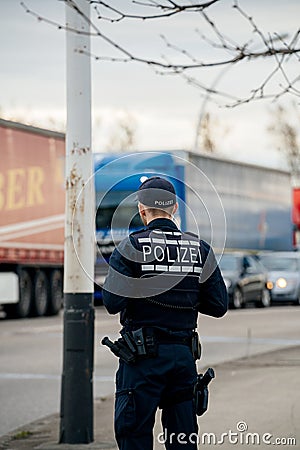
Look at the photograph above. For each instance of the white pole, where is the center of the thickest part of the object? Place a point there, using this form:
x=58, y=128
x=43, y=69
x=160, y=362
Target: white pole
x=79, y=232
x=77, y=384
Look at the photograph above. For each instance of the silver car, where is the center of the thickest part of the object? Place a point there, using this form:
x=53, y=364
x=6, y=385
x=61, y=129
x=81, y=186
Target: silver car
x=283, y=275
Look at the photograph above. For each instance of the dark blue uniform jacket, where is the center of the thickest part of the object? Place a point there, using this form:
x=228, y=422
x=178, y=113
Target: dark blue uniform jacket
x=160, y=276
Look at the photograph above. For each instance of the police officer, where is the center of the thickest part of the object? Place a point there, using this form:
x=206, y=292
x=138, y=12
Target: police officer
x=159, y=279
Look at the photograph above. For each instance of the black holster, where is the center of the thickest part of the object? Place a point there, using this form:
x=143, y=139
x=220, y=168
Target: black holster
x=201, y=391
x=196, y=346
x=133, y=345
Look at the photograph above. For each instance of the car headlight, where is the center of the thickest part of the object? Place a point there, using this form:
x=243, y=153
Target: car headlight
x=227, y=282
x=281, y=283
x=270, y=285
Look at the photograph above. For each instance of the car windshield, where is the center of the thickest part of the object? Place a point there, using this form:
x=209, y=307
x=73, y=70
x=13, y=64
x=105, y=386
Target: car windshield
x=229, y=262
x=280, y=263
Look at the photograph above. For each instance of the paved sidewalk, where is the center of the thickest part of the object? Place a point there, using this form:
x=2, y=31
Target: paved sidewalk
x=254, y=399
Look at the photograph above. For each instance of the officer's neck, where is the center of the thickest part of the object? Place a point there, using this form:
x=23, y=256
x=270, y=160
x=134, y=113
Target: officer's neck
x=150, y=217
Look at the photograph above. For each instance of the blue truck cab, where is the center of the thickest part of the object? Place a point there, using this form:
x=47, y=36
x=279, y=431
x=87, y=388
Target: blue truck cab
x=228, y=203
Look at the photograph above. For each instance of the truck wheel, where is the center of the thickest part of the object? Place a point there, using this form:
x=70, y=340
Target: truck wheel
x=237, y=298
x=41, y=294
x=56, y=293
x=23, y=307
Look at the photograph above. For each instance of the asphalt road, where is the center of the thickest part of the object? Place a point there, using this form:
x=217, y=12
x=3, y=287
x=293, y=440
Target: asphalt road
x=31, y=354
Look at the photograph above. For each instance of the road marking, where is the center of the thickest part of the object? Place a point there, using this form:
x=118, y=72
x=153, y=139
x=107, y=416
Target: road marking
x=46, y=376
x=28, y=376
x=241, y=339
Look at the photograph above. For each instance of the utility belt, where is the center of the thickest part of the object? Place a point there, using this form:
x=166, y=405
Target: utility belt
x=143, y=343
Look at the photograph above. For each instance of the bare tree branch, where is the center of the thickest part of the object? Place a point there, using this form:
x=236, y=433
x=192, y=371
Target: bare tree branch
x=272, y=47
x=169, y=9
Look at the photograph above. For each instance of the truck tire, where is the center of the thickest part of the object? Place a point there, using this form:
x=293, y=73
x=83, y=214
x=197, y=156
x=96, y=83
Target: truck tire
x=56, y=293
x=23, y=307
x=41, y=294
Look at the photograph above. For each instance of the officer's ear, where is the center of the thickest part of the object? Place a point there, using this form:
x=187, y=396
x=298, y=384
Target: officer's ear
x=140, y=207
x=142, y=210
x=175, y=208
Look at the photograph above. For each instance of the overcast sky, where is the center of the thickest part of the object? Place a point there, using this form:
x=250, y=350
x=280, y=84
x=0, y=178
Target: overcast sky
x=164, y=109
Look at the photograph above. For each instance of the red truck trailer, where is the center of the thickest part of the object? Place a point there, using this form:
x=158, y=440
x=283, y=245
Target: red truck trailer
x=32, y=202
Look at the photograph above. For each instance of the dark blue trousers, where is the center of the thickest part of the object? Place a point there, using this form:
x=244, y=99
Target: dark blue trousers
x=139, y=390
